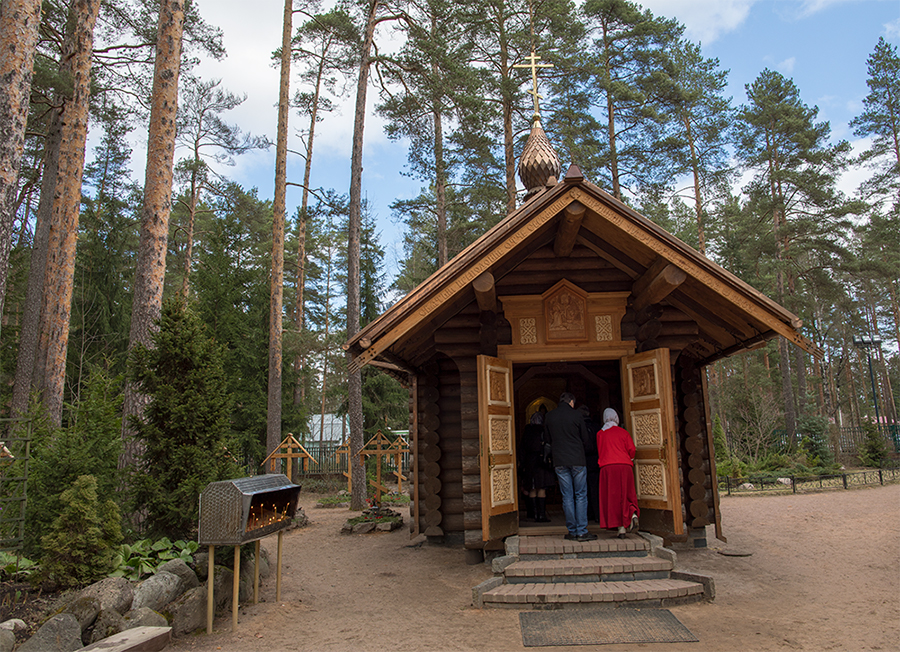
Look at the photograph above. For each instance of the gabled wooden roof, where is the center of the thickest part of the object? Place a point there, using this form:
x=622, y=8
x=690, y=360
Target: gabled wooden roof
x=732, y=315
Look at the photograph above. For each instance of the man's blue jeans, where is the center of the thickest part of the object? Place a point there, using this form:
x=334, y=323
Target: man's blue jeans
x=573, y=487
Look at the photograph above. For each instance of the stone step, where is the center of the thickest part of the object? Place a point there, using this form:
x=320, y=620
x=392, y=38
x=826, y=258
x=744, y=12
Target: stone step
x=643, y=592
x=558, y=547
x=606, y=569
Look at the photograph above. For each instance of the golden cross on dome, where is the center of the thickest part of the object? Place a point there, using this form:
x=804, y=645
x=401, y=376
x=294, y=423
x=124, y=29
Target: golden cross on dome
x=532, y=62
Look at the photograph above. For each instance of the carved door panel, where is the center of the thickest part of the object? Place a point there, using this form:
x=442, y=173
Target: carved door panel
x=499, y=497
x=650, y=418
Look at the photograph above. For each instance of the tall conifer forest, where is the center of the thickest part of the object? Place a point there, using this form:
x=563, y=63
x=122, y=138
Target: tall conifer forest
x=105, y=269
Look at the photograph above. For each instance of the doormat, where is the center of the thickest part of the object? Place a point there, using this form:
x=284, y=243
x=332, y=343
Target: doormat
x=601, y=627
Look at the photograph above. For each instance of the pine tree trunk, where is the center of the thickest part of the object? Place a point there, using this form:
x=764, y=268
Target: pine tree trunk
x=31, y=360
x=19, y=23
x=299, y=387
x=150, y=270
x=276, y=290
x=354, y=225
x=60, y=271
x=509, y=157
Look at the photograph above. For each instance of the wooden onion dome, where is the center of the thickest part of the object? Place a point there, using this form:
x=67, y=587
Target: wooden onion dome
x=539, y=162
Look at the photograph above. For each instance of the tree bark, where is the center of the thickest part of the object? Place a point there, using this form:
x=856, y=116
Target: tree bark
x=276, y=291
x=31, y=361
x=19, y=23
x=150, y=269
x=354, y=225
x=60, y=271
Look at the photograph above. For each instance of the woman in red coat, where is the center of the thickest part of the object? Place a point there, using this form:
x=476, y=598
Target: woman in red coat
x=618, y=499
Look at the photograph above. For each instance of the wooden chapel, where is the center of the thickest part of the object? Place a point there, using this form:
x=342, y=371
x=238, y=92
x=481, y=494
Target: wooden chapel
x=573, y=291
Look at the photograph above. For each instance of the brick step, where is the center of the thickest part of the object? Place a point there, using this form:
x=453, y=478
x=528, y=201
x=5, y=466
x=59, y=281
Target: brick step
x=608, y=545
x=606, y=569
x=645, y=592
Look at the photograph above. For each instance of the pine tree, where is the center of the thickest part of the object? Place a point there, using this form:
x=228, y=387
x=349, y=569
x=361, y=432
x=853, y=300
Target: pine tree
x=279, y=214
x=19, y=24
x=202, y=130
x=794, y=185
x=326, y=47
x=703, y=115
x=631, y=79
x=150, y=269
x=881, y=120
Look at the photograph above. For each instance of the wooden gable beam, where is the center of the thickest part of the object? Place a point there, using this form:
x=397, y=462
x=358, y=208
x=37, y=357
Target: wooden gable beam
x=757, y=305
x=658, y=282
x=567, y=233
x=485, y=292
x=457, y=276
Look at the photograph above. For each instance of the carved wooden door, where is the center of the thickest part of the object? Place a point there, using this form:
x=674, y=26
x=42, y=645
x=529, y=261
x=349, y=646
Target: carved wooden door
x=499, y=497
x=650, y=418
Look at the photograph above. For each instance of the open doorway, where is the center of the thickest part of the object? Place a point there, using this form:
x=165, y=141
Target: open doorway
x=537, y=387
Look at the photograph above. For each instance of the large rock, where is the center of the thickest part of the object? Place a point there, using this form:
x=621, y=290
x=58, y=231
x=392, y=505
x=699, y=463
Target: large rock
x=201, y=564
x=84, y=608
x=223, y=587
x=144, y=617
x=189, y=611
x=109, y=622
x=182, y=570
x=13, y=624
x=61, y=633
x=7, y=640
x=113, y=592
x=157, y=591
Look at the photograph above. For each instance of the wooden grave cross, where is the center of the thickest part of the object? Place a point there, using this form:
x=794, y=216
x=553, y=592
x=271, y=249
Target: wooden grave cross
x=380, y=446
x=293, y=450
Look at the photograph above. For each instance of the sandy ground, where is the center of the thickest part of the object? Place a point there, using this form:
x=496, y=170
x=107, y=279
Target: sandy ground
x=824, y=574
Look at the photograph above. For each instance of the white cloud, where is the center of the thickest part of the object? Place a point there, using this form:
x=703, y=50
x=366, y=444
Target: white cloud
x=786, y=67
x=892, y=29
x=705, y=20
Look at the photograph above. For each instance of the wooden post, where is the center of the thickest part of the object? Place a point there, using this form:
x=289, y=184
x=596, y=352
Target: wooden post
x=210, y=599
x=236, y=588
x=256, y=575
x=278, y=572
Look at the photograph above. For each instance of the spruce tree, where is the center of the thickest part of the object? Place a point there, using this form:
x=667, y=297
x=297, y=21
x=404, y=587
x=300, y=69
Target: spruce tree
x=185, y=426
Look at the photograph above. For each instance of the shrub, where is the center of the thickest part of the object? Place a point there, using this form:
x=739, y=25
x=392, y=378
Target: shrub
x=815, y=442
x=89, y=445
x=185, y=426
x=874, y=450
x=82, y=541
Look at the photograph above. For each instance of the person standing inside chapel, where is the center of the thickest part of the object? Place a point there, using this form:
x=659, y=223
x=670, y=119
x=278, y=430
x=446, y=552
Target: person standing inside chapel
x=564, y=428
x=615, y=456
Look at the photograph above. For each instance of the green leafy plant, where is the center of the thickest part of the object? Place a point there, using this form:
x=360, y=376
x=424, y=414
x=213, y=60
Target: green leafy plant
x=874, y=449
x=136, y=560
x=14, y=567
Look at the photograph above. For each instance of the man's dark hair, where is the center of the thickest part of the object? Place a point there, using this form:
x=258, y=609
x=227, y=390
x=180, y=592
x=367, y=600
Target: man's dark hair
x=566, y=397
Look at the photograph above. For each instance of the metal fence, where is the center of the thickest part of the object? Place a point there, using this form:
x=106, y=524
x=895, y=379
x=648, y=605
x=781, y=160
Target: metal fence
x=15, y=449
x=849, y=440
x=798, y=484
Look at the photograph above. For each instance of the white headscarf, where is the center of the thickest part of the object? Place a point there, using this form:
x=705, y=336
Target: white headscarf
x=610, y=419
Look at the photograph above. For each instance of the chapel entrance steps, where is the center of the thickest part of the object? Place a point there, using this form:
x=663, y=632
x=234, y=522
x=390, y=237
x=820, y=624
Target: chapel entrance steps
x=550, y=572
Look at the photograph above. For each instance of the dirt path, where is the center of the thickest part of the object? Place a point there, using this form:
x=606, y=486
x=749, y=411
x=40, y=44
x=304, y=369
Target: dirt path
x=824, y=574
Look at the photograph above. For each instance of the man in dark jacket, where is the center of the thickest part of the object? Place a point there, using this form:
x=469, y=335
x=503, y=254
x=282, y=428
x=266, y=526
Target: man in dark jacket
x=568, y=437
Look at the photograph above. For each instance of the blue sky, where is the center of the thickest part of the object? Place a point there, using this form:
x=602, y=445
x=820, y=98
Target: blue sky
x=821, y=44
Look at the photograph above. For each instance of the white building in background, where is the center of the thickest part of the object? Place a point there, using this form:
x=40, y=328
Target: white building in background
x=330, y=429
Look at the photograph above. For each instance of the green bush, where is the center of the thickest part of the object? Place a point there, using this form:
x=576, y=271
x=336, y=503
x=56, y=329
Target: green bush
x=89, y=445
x=874, y=450
x=81, y=545
x=185, y=426
x=815, y=442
